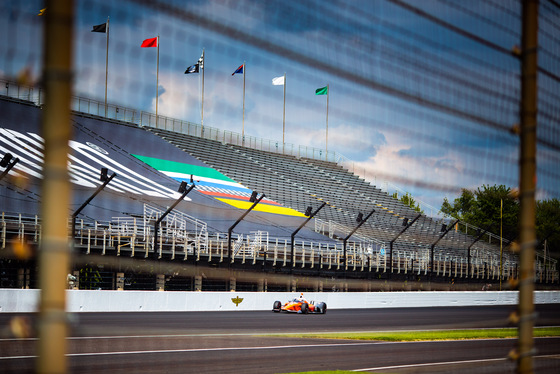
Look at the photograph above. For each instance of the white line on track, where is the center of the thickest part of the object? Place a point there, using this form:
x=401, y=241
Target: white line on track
x=202, y=350
x=432, y=364
x=446, y=363
x=265, y=334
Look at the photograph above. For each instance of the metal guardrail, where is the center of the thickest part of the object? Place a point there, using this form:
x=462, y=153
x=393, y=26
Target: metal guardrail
x=331, y=228
x=490, y=235
x=131, y=237
x=184, y=229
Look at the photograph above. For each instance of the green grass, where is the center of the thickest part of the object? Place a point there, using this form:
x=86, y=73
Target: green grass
x=325, y=372
x=410, y=336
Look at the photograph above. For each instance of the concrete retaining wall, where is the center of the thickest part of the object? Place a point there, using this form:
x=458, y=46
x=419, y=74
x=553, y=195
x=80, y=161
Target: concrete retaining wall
x=15, y=300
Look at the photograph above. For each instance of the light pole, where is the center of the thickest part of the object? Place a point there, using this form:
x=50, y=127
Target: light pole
x=445, y=229
x=255, y=201
x=309, y=215
x=360, y=221
x=103, y=177
x=7, y=163
x=480, y=235
x=406, y=225
x=184, y=192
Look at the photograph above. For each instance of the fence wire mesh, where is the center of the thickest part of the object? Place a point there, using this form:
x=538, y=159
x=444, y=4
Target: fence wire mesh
x=422, y=97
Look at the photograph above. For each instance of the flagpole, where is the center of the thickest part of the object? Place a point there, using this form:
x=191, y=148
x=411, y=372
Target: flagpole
x=157, y=81
x=327, y=132
x=202, y=104
x=106, y=66
x=243, y=123
x=284, y=116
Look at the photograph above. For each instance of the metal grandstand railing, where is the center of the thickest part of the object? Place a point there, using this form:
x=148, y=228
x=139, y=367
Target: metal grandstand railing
x=492, y=238
x=249, y=246
x=133, y=237
x=185, y=231
x=123, y=233
x=333, y=229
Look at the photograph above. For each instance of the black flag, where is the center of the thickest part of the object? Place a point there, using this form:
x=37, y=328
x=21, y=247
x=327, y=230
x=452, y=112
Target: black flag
x=100, y=28
x=192, y=69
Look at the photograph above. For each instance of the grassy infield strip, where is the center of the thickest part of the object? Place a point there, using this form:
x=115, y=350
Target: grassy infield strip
x=412, y=336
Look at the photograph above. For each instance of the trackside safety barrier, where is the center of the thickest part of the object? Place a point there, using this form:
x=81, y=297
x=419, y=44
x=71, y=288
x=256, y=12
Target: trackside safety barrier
x=25, y=301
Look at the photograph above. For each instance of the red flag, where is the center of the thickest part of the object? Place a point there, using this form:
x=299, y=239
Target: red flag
x=152, y=42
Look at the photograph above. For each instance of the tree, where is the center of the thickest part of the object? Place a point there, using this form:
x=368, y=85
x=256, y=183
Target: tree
x=494, y=205
x=482, y=208
x=548, y=225
x=408, y=201
x=461, y=205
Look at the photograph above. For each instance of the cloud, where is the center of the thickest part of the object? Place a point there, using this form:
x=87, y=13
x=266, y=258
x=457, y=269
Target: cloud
x=248, y=13
x=399, y=163
x=178, y=98
x=402, y=159
x=355, y=141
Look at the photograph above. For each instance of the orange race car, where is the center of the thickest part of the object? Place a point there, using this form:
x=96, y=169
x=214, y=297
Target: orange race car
x=300, y=305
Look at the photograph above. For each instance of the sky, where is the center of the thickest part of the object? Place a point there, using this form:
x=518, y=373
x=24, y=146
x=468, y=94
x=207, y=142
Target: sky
x=415, y=102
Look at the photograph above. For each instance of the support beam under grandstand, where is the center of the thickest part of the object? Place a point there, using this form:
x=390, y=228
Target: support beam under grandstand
x=393, y=241
x=473, y=243
x=310, y=216
x=360, y=223
x=230, y=230
x=156, y=225
x=448, y=228
x=106, y=181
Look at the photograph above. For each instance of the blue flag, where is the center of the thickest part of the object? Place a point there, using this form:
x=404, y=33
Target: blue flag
x=239, y=70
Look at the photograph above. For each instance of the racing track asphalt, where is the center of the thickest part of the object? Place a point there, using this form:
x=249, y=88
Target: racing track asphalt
x=221, y=342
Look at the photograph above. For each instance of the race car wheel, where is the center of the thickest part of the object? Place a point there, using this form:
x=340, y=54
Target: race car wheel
x=324, y=308
x=277, y=306
x=304, y=308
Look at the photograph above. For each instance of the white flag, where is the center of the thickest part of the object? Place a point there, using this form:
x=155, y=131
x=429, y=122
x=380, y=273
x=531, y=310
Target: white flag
x=278, y=81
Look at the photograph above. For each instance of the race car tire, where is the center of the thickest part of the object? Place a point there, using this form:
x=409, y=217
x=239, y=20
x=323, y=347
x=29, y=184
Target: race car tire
x=277, y=306
x=304, y=308
x=321, y=308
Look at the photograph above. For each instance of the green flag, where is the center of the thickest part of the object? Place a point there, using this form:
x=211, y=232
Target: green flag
x=322, y=91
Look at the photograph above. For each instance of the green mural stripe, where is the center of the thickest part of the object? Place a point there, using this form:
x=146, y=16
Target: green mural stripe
x=179, y=167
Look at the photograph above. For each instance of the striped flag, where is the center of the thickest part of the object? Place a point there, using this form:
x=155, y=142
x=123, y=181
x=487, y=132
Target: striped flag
x=239, y=70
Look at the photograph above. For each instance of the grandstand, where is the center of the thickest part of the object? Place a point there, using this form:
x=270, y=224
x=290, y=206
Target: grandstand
x=394, y=243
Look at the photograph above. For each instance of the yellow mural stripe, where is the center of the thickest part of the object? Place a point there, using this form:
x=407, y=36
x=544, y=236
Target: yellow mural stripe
x=263, y=207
